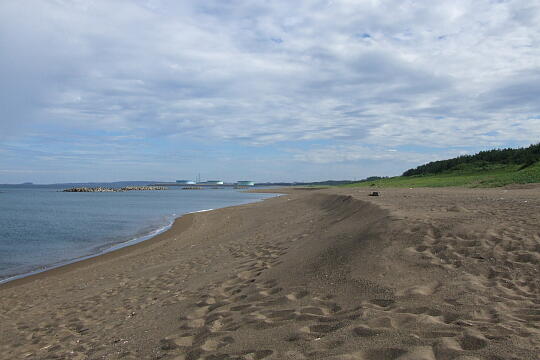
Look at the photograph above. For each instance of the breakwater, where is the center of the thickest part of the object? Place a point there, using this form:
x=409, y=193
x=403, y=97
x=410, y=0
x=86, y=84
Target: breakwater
x=109, y=189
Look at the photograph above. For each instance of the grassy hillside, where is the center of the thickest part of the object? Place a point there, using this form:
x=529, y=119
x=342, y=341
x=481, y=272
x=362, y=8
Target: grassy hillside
x=521, y=156
x=469, y=175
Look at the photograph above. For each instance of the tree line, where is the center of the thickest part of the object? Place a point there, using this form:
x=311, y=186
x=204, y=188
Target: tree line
x=520, y=156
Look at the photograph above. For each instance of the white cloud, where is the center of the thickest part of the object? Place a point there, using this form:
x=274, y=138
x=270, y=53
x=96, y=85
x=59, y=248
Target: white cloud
x=384, y=74
x=348, y=153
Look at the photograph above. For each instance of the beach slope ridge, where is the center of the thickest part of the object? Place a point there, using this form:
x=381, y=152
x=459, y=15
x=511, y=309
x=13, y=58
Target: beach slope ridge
x=327, y=274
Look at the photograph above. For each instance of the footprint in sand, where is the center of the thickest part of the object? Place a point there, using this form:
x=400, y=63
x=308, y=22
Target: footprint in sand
x=420, y=290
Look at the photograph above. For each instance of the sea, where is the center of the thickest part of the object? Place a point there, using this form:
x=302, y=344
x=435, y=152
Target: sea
x=43, y=227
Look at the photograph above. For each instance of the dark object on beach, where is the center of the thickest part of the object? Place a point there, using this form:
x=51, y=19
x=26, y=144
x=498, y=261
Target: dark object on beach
x=374, y=193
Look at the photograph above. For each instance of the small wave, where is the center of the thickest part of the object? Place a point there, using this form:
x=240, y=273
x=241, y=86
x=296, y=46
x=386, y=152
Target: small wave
x=199, y=211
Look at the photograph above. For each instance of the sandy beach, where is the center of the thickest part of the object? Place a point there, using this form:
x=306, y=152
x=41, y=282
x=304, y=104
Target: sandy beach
x=425, y=274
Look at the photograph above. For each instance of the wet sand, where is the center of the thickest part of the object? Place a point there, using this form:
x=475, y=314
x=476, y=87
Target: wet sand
x=322, y=274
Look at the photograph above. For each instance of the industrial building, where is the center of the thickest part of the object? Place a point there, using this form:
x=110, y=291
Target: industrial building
x=213, y=182
x=185, y=182
x=245, y=183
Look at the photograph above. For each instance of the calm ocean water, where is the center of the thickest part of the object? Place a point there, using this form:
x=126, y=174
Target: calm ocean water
x=43, y=228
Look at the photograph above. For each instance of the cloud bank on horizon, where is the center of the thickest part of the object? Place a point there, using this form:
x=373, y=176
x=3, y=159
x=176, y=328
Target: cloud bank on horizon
x=281, y=90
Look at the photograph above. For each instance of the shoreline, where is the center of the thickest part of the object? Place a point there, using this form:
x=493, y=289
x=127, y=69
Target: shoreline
x=434, y=274
x=99, y=251
x=90, y=259
x=110, y=248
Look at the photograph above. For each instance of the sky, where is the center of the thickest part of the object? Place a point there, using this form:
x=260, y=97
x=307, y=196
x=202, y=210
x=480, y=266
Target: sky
x=260, y=90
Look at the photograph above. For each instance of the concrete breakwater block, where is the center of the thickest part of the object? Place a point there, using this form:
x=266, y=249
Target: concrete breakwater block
x=107, y=189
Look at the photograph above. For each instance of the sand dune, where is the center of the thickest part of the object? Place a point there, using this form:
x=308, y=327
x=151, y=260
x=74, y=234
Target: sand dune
x=430, y=274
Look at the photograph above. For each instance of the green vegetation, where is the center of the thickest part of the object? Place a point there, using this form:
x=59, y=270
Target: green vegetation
x=492, y=177
x=522, y=156
x=486, y=169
